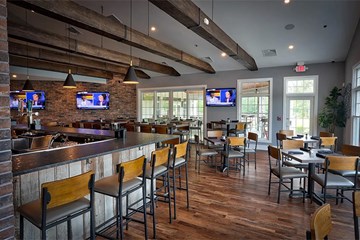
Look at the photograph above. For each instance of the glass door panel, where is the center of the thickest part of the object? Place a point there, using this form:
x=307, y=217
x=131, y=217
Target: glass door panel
x=179, y=105
x=162, y=105
x=300, y=114
x=147, y=106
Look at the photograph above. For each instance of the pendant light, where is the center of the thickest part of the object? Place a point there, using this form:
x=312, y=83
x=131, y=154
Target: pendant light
x=69, y=81
x=130, y=77
x=28, y=87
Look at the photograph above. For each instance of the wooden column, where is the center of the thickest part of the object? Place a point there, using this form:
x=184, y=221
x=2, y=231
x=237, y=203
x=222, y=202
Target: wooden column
x=6, y=186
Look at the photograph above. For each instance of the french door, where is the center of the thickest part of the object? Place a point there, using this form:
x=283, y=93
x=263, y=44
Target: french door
x=300, y=114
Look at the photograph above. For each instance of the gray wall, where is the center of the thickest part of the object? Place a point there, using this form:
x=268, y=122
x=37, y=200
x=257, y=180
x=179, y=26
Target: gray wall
x=352, y=60
x=330, y=75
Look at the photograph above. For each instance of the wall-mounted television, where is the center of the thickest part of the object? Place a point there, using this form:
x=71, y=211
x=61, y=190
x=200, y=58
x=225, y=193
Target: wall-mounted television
x=92, y=100
x=37, y=97
x=221, y=97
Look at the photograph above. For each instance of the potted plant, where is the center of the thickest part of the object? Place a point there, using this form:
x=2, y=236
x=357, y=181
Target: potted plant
x=333, y=114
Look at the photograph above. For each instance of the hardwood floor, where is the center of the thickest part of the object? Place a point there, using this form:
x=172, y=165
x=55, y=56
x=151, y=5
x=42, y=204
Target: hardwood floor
x=238, y=207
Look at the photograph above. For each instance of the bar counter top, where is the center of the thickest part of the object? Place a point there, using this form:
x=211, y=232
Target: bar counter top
x=35, y=161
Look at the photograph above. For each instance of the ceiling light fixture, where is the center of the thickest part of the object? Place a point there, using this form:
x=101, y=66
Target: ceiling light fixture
x=223, y=54
x=153, y=29
x=14, y=76
x=206, y=21
x=130, y=77
x=28, y=87
x=291, y=47
x=69, y=81
x=286, y=1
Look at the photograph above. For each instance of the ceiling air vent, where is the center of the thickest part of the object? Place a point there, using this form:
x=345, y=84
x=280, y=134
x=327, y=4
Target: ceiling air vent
x=207, y=59
x=269, y=53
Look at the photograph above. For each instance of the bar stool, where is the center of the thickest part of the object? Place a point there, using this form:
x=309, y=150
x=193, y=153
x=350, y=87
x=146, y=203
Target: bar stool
x=159, y=171
x=60, y=202
x=130, y=177
x=180, y=159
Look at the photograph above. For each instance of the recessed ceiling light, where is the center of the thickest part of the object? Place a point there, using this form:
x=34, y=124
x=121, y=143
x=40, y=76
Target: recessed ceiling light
x=14, y=76
x=223, y=54
x=153, y=29
x=286, y=1
x=291, y=47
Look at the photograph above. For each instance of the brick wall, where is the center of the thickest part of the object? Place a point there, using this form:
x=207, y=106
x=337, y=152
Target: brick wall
x=6, y=186
x=61, y=102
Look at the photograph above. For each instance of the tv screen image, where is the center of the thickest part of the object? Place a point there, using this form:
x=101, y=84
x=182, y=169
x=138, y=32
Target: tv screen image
x=38, y=98
x=221, y=97
x=92, y=100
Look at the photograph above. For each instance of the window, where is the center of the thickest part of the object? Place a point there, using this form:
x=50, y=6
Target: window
x=147, y=103
x=255, y=105
x=356, y=107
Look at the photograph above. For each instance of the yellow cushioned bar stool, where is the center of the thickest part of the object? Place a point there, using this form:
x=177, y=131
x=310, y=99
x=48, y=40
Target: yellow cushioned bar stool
x=129, y=179
x=61, y=201
x=180, y=160
x=159, y=172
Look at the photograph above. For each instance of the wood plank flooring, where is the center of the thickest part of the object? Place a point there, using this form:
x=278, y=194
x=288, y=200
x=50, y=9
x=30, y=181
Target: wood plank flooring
x=238, y=207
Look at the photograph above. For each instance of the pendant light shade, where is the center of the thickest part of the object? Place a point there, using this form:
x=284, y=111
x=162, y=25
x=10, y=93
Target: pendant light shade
x=69, y=82
x=130, y=77
x=28, y=86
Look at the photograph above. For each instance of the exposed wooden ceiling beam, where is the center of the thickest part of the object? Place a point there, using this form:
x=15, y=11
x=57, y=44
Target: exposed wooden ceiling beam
x=77, y=15
x=191, y=16
x=58, y=67
x=40, y=37
x=23, y=50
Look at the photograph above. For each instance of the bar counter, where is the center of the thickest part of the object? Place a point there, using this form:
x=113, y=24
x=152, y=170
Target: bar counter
x=34, y=168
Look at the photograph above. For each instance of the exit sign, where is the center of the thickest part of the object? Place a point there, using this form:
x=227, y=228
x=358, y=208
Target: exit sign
x=300, y=68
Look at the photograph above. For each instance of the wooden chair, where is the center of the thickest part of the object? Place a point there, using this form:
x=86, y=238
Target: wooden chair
x=87, y=125
x=130, y=127
x=159, y=172
x=61, y=201
x=356, y=212
x=146, y=128
x=326, y=134
x=130, y=178
x=43, y=142
x=283, y=173
x=293, y=144
x=234, y=149
x=280, y=137
x=288, y=133
x=215, y=134
x=320, y=223
x=328, y=142
x=75, y=125
x=328, y=180
x=350, y=150
x=161, y=129
x=180, y=160
x=240, y=128
x=51, y=124
x=202, y=152
x=96, y=125
x=251, y=148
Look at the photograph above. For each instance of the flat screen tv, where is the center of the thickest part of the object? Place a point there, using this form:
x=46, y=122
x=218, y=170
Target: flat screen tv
x=221, y=97
x=92, y=100
x=37, y=97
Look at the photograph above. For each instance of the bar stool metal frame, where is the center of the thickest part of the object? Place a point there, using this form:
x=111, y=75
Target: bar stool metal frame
x=130, y=177
x=58, y=199
x=160, y=161
x=180, y=159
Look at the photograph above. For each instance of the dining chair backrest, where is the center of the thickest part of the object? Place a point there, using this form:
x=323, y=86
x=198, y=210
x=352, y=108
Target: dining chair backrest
x=356, y=212
x=252, y=137
x=43, y=142
x=236, y=141
x=341, y=163
x=292, y=144
x=161, y=129
x=215, y=133
x=67, y=190
x=87, y=125
x=279, y=138
x=181, y=150
x=326, y=134
x=131, y=169
x=274, y=153
x=240, y=126
x=350, y=150
x=320, y=224
x=328, y=142
x=288, y=133
x=96, y=125
x=160, y=157
x=146, y=128
x=75, y=125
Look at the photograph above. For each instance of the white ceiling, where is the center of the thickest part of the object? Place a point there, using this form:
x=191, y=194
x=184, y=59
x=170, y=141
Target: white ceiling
x=255, y=25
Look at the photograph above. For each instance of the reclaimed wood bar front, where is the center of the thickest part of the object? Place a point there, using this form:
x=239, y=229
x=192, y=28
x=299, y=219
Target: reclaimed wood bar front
x=32, y=169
